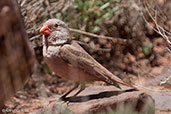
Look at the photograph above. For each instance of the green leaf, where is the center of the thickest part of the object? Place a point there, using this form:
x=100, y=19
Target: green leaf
x=116, y=0
x=99, y=21
x=96, y=29
x=165, y=81
x=115, y=9
x=58, y=15
x=107, y=15
x=104, y=6
x=85, y=18
x=147, y=49
x=98, y=2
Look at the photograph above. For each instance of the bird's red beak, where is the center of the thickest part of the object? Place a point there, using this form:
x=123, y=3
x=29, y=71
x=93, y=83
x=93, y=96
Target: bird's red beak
x=45, y=30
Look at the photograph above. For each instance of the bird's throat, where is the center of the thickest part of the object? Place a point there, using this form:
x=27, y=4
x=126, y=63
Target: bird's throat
x=46, y=41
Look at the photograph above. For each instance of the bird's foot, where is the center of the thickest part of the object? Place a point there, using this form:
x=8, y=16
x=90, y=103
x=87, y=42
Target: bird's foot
x=63, y=97
x=64, y=100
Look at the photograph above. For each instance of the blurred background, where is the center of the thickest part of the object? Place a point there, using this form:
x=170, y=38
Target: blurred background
x=132, y=42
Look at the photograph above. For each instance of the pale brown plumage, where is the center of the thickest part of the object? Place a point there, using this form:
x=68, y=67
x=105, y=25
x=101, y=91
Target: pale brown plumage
x=69, y=60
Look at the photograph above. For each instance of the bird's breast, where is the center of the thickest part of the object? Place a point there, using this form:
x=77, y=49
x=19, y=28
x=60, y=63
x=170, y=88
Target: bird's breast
x=51, y=51
x=62, y=68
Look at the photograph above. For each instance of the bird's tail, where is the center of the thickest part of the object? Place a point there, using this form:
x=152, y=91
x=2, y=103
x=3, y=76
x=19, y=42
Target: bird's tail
x=114, y=80
x=110, y=78
x=117, y=80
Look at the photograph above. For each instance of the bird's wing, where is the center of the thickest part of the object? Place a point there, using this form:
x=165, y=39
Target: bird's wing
x=76, y=56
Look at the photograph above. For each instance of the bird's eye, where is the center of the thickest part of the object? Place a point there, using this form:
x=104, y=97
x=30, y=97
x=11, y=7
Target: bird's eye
x=56, y=25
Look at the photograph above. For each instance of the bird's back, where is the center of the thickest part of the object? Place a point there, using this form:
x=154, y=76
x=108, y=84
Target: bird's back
x=75, y=55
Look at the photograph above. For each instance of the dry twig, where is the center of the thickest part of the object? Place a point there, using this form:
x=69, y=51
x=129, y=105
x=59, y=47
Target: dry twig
x=159, y=29
x=114, y=39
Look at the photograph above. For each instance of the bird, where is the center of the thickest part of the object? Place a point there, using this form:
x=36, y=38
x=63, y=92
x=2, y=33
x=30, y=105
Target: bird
x=70, y=61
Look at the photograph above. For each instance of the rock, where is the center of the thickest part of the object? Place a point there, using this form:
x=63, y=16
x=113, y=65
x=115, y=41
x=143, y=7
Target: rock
x=107, y=99
x=162, y=100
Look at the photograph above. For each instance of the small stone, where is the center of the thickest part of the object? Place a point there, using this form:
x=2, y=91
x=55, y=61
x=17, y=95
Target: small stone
x=86, y=39
x=102, y=41
x=108, y=55
x=108, y=45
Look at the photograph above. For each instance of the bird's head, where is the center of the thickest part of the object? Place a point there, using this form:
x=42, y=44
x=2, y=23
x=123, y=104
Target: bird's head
x=55, y=31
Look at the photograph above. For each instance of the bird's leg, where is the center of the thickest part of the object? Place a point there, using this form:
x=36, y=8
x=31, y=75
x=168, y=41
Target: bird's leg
x=76, y=84
x=81, y=89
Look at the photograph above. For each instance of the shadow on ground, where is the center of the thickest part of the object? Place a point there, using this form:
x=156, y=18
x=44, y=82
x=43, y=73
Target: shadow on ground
x=105, y=94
